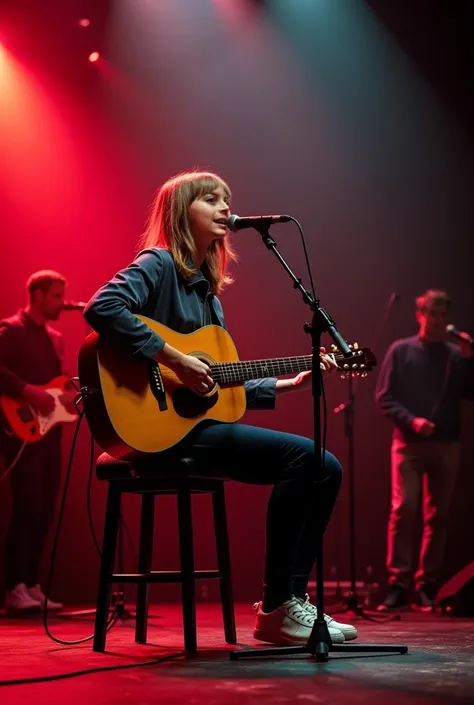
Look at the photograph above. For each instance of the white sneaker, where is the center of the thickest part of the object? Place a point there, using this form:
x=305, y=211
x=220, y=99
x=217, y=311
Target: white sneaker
x=348, y=630
x=288, y=624
x=20, y=600
x=36, y=593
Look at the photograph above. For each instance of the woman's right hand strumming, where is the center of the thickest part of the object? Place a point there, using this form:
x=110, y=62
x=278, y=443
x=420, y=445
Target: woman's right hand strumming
x=191, y=371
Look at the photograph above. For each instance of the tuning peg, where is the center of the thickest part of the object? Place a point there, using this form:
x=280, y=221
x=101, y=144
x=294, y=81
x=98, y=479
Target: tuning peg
x=334, y=347
x=356, y=346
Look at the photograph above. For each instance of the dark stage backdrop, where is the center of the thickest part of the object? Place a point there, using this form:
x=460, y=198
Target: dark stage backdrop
x=352, y=116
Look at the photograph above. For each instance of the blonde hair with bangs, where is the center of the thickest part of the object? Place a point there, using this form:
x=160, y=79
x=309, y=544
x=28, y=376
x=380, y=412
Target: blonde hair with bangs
x=168, y=227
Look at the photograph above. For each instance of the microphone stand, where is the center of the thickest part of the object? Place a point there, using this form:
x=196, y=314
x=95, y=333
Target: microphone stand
x=351, y=598
x=319, y=643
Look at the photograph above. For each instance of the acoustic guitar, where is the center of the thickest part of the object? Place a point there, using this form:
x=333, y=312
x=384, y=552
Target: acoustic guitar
x=134, y=405
x=27, y=423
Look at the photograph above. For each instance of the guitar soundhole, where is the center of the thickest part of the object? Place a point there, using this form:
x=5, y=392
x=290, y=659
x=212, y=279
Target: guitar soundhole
x=187, y=404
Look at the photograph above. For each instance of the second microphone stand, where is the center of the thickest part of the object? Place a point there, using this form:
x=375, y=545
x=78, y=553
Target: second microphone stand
x=351, y=603
x=319, y=644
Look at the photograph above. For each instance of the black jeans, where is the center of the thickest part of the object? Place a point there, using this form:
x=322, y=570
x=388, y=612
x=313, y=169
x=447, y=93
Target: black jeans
x=34, y=482
x=298, y=509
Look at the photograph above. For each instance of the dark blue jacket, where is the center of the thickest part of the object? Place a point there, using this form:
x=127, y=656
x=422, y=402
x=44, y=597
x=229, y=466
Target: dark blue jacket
x=151, y=286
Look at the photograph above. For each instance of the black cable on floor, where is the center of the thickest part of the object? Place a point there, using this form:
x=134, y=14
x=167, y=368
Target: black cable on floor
x=88, y=671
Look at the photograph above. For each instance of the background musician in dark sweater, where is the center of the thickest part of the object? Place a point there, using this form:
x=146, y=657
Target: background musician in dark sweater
x=31, y=355
x=419, y=388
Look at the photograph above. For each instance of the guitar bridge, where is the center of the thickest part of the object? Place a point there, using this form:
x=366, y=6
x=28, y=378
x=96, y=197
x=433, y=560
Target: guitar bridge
x=156, y=385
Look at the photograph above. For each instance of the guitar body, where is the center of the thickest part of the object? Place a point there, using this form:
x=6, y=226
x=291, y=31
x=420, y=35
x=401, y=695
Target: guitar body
x=30, y=426
x=135, y=406
x=126, y=411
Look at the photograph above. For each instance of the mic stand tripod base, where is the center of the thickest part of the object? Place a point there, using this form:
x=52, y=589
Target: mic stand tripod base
x=122, y=612
x=353, y=608
x=118, y=598
x=319, y=645
x=322, y=654
x=117, y=604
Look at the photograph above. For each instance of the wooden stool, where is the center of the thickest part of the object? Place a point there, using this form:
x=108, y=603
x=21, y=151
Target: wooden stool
x=181, y=479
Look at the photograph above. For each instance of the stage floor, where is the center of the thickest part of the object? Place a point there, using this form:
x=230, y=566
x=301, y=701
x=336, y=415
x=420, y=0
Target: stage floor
x=439, y=667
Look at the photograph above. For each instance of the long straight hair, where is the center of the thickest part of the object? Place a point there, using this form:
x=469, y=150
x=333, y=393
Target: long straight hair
x=168, y=227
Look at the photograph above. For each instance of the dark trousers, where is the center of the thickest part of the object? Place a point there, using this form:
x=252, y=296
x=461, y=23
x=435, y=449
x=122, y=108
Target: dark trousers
x=299, y=508
x=422, y=472
x=34, y=482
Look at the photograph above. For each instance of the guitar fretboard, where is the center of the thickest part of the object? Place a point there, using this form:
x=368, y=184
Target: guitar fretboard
x=241, y=371
x=235, y=372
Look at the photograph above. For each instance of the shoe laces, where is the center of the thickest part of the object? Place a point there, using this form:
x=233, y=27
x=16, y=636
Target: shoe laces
x=312, y=609
x=296, y=610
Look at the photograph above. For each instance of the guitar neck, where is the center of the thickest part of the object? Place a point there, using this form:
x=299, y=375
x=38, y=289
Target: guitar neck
x=237, y=372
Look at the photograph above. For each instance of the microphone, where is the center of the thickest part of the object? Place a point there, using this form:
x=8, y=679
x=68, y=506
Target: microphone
x=236, y=223
x=74, y=305
x=459, y=335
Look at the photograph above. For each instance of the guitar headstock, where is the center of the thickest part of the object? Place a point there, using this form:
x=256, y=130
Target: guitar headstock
x=359, y=364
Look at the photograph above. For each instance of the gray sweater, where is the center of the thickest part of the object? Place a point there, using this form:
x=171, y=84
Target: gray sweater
x=427, y=380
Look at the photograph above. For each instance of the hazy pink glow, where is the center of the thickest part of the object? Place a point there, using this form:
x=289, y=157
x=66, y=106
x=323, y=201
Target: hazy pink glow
x=38, y=170
x=234, y=11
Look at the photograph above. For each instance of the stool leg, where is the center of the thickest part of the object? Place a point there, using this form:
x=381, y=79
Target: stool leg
x=224, y=565
x=186, y=551
x=144, y=564
x=109, y=546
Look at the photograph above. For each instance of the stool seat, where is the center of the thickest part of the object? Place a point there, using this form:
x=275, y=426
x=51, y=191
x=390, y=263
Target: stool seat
x=151, y=477
x=109, y=468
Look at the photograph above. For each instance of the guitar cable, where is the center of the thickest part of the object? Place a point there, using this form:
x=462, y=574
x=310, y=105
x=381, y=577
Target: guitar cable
x=113, y=617
x=17, y=457
x=90, y=518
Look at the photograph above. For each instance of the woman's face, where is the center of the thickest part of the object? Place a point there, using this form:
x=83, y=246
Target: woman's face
x=207, y=216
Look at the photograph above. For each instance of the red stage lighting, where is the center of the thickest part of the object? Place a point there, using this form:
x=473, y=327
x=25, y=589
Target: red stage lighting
x=94, y=56
x=84, y=22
